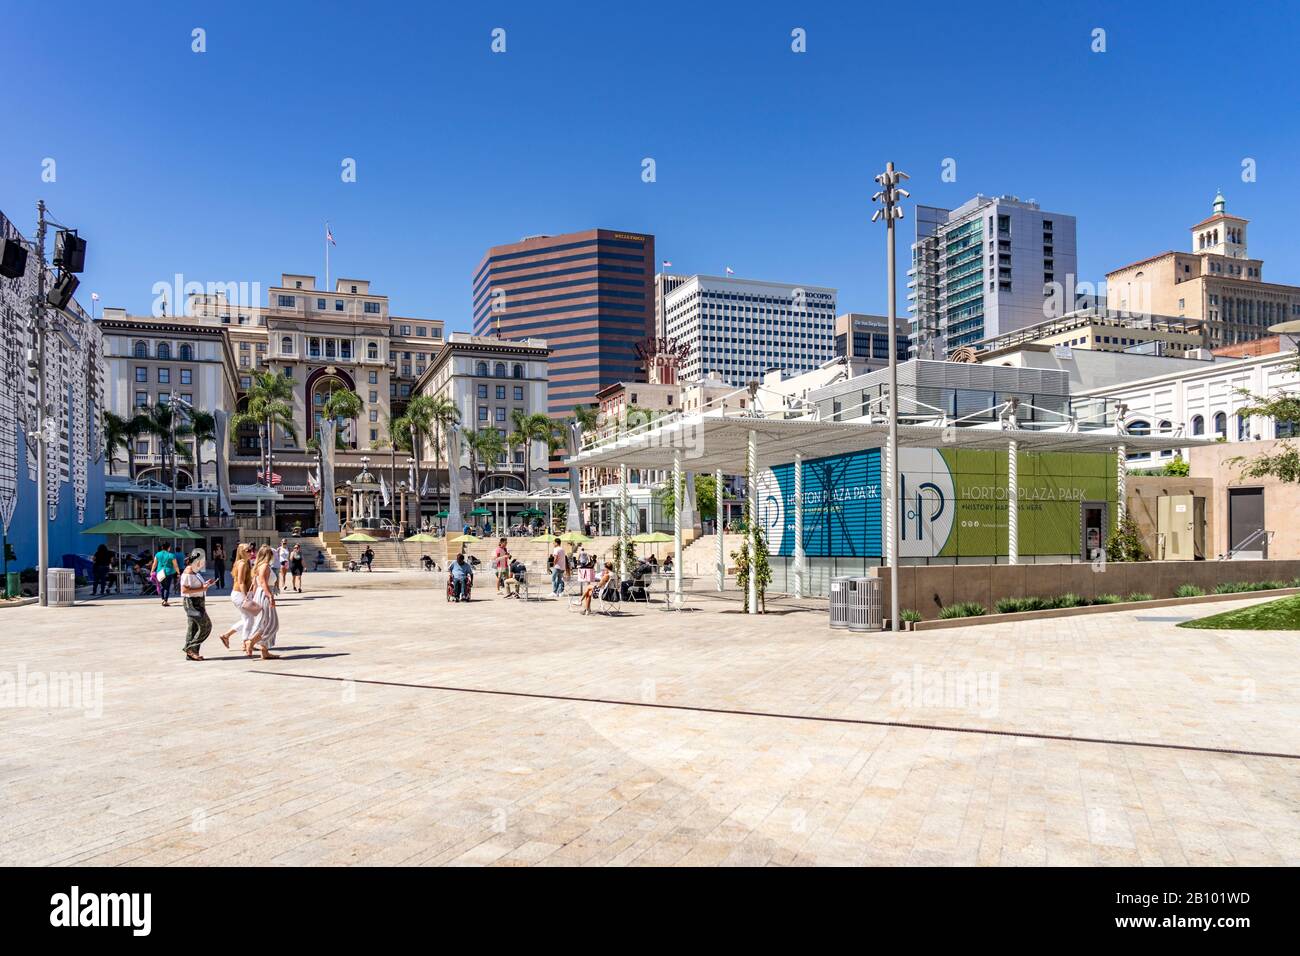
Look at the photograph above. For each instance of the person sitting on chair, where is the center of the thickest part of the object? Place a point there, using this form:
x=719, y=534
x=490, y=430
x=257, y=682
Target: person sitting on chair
x=429, y=564
x=516, y=579
x=605, y=584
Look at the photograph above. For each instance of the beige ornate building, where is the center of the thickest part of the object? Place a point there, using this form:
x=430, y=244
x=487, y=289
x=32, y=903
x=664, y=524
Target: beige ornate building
x=1217, y=281
x=319, y=339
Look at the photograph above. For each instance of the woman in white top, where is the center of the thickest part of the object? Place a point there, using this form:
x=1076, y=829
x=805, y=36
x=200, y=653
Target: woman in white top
x=241, y=574
x=268, y=620
x=194, y=594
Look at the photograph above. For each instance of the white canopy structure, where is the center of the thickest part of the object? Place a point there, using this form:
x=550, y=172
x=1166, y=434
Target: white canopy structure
x=734, y=442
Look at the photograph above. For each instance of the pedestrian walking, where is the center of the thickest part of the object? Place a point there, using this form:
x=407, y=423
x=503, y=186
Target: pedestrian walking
x=282, y=564
x=219, y=565
x=295, y=567
x=194, y=592
x=368, y=556
x=241, y=577
x=557, y=562
x=267, y=626
x=501, y=563
x=100, y=564
x=165, y=570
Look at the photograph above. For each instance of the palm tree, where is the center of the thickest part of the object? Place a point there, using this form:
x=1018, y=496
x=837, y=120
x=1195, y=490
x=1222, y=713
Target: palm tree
x=587, y=420
x=161, y=421
x=268, y=406
x=530, y=428
x=485, y=446
x=120, y=434
x=419, y=426
x=203, y=426
x=443, y=413
x=343, y=405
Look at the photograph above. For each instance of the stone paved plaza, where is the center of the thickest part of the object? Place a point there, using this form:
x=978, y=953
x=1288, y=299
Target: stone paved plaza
x=412, y=731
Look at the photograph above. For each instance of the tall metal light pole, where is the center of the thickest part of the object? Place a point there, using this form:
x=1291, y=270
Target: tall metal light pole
x=888, y=197
x=36, y=363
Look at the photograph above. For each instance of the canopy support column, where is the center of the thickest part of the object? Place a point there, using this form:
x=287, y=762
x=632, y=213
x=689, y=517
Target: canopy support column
x=620, y=523
x=751, y=465
x=678, y=506
x=1013, y=503
x=798, y=526
x=1121, y=479
x=717, y=529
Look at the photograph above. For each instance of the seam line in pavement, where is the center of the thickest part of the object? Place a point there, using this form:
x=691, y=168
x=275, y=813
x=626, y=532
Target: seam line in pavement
x=861, y=721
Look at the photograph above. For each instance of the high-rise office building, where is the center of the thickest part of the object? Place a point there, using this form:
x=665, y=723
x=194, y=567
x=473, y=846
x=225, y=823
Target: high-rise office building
x=986, y=268
x=737, y=329
x=590, y=295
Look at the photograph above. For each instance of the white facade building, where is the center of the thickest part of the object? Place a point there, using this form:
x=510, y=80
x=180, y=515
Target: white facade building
x=986, y=268
x=1206, y=400
x=489, y=380
x=738, y=329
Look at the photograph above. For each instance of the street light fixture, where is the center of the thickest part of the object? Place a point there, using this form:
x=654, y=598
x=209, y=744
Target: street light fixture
x=888, y=196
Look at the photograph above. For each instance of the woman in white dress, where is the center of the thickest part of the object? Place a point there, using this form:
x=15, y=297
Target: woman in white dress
x=241, y=579
x=268, y=620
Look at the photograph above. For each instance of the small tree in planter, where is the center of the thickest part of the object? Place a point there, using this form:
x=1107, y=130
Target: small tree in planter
x=1125, y=542
x=761, y=563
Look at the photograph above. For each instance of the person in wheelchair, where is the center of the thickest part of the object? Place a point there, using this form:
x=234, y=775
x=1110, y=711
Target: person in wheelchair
x=460, y=579
x=604, y=585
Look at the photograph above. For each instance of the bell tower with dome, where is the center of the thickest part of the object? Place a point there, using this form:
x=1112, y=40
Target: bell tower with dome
x=1221, y=234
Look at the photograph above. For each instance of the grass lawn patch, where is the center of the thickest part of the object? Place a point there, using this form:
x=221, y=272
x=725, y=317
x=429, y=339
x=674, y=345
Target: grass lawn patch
x=1280, y=615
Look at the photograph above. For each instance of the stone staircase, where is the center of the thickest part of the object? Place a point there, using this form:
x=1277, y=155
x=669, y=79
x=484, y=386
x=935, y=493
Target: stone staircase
x=700, y=557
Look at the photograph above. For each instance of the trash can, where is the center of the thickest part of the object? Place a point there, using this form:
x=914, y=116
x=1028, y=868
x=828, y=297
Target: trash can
x=13, y=584
x=840, y=596
x=62, y=584
x=864, y=605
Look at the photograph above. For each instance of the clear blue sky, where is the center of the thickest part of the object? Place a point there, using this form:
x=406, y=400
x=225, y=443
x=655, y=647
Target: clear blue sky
x=223, y=166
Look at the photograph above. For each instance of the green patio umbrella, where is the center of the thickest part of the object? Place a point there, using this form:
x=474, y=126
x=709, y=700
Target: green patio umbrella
x=531, y=513
x=185, y=534
x=442, y=514
x=464, y=539
x=424, y=537
x=481, y=511
x=356, y=537
x=653, y=537
x=118, y=527
x=573, y=537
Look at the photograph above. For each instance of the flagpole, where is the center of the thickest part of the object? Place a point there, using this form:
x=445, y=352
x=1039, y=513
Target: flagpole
x=327, y=255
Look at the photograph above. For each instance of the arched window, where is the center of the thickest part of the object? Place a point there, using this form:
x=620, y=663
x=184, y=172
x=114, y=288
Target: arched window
x=518, y=370
x=187, y=353
x=500, y=370
x=164, y=350
x=141, y=350
x=1139, y=427
x=1243, y=427
x=286, y=345
x=1166, y=426
x=1220, y=424
x=372, y=351
x=1198, y=424
x=480, y=368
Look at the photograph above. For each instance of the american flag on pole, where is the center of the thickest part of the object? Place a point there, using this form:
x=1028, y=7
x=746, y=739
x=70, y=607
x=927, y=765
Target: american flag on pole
x=329, y=236
x=667, y=264
x=275, y=477
x=730, y=271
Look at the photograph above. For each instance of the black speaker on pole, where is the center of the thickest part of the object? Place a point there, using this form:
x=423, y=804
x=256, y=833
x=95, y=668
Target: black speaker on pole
x=61, y=293
x=70, y=251
x=13, y=259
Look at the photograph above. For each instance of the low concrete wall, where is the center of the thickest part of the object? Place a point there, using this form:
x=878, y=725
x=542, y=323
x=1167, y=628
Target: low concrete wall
x=1099, y=609
x=928, y=588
